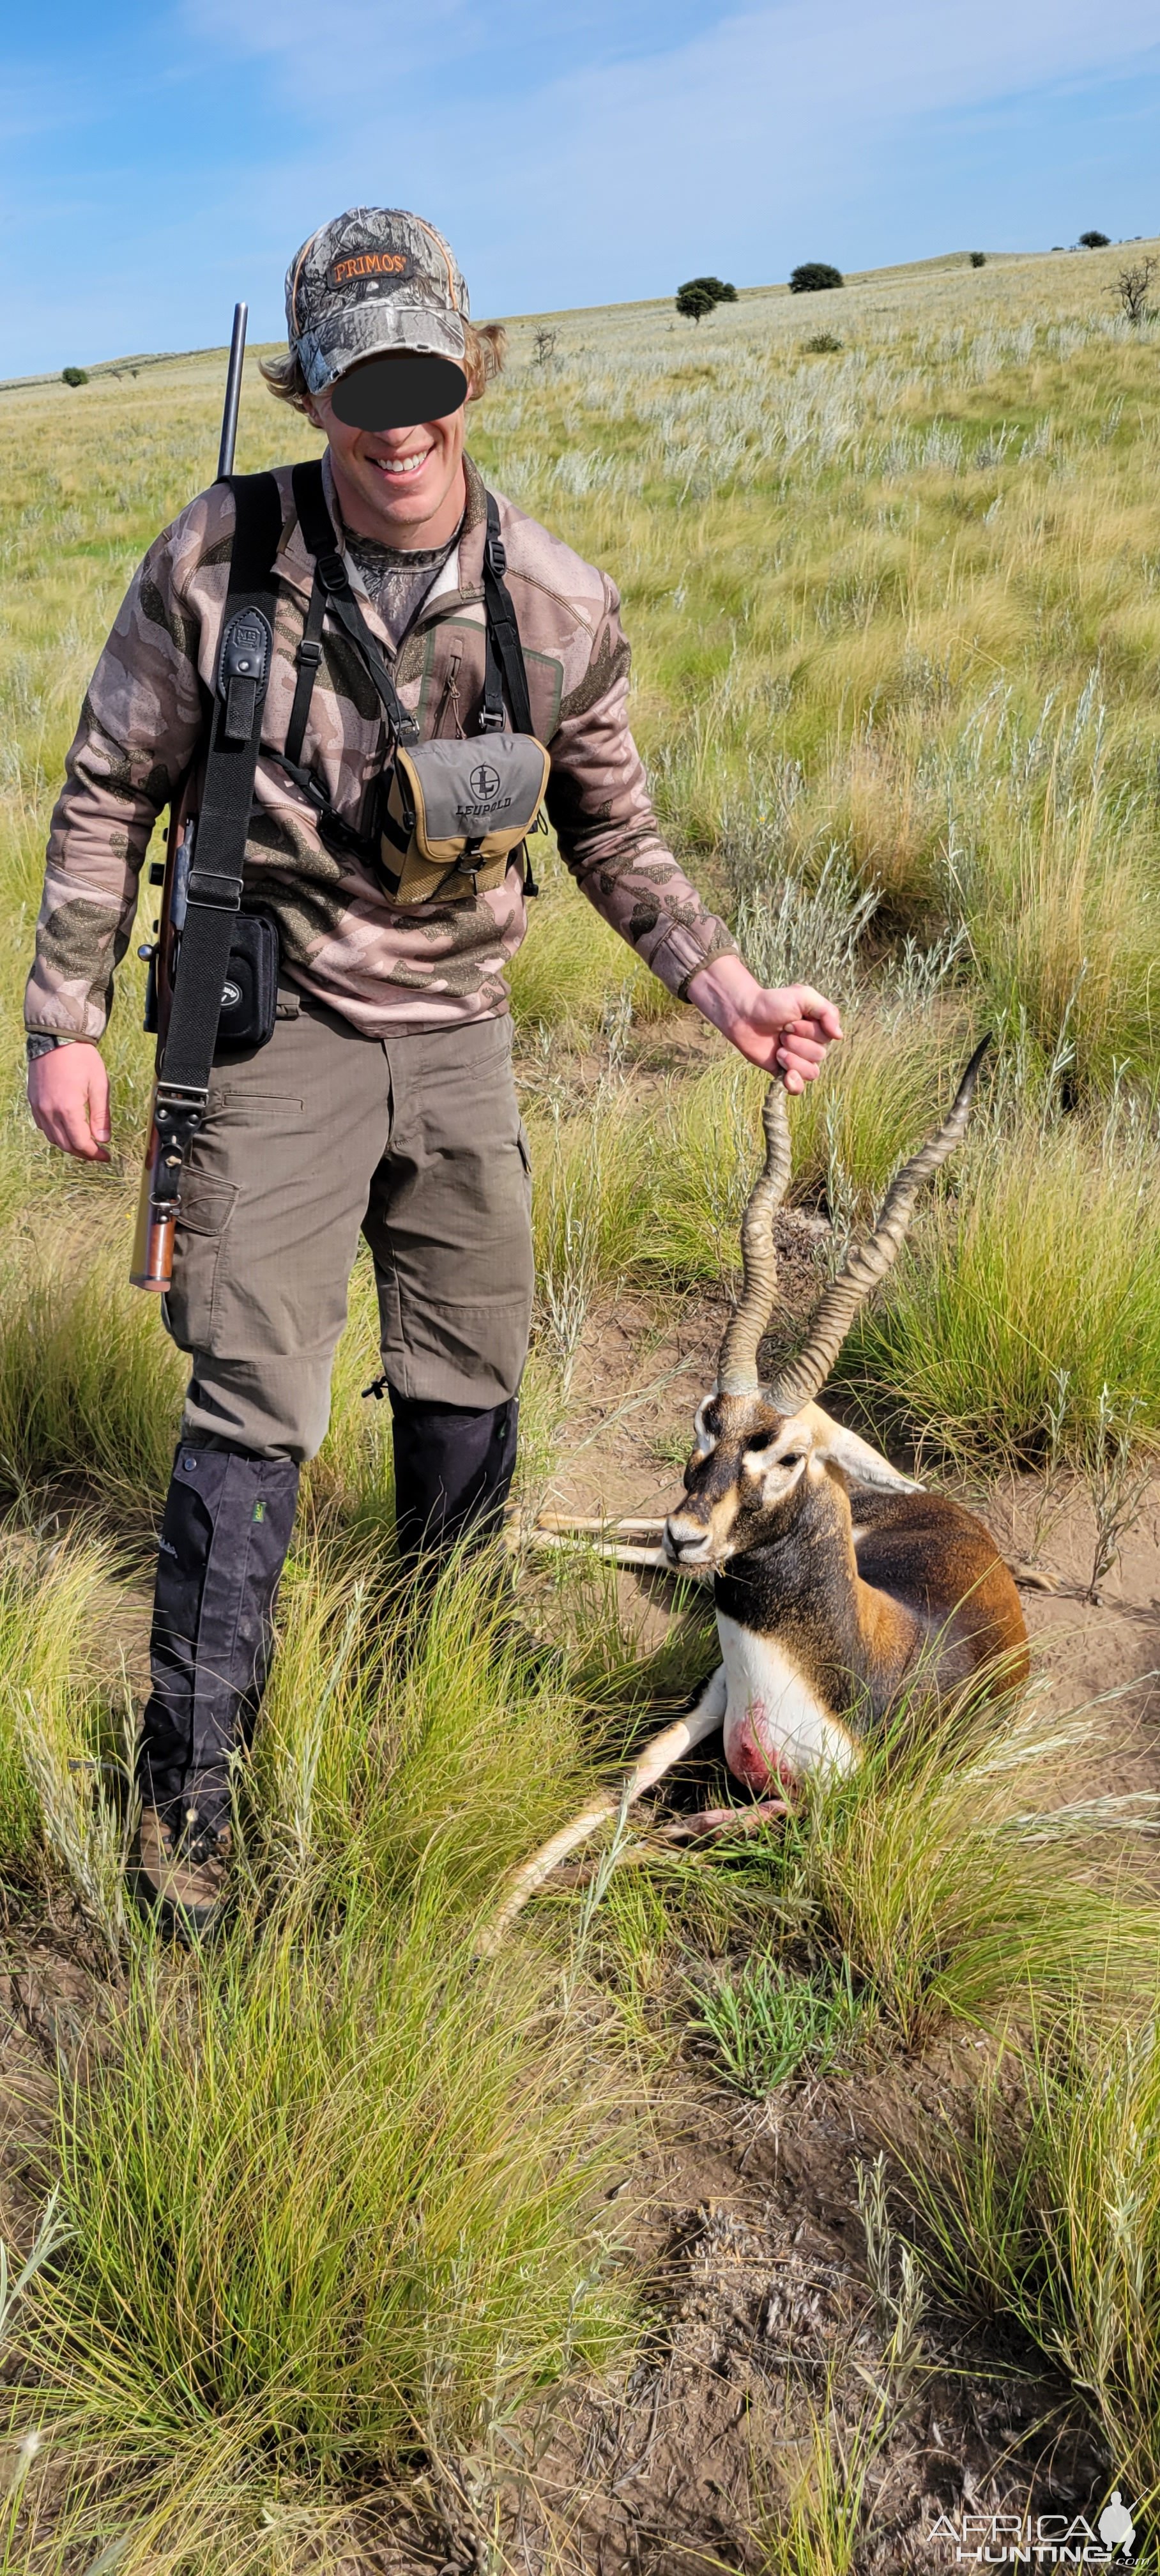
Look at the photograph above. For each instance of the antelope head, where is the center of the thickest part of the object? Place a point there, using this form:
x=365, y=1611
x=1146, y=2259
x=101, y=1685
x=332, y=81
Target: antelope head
x=758, y=1447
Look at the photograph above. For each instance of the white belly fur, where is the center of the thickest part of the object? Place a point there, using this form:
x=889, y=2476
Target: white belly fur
x=771, y=1711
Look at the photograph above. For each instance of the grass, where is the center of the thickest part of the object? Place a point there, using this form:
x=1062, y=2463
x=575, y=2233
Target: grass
x=1042, y=2218
x=768, y=2024
x=50, y=1589
x=334, y=2197
x=939, y=1875
x=321, y=2220
x=940, y=1883
x=1041, y=1269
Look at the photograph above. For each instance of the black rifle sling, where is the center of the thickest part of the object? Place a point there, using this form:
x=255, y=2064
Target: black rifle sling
x=215, y=879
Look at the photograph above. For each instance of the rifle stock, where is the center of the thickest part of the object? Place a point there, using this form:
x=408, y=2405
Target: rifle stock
x=159, y=1198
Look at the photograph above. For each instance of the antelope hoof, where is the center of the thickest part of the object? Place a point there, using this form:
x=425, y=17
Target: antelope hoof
x=709, y=1821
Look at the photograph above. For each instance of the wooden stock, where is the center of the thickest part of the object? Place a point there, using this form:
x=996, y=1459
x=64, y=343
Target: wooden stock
x=152, y=1261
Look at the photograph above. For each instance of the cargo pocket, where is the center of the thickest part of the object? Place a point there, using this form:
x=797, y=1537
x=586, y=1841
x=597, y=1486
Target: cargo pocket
x=206, y=1207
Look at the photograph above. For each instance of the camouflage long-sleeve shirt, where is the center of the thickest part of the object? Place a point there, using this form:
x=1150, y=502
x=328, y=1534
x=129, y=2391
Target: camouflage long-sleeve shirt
x=341, y=939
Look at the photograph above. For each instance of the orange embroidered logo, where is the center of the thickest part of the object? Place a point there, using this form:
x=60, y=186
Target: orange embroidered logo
x=370, y=263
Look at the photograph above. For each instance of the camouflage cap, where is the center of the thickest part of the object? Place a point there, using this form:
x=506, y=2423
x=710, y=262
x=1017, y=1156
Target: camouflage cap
x=372, y=280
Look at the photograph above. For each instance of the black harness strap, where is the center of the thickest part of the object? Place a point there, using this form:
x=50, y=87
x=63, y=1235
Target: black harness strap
x=333, y=592
x=215, y=878
x=502, y=649
x=308, y=657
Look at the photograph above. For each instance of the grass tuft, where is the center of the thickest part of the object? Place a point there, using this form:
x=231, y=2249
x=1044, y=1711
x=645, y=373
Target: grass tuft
x=323, y=2218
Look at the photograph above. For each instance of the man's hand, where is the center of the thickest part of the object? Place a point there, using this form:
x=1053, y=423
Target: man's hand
x=786, y=1030
x=68, y=1094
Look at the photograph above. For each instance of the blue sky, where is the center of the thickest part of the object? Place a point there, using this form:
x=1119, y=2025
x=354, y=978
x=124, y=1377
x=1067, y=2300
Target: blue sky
x=156, y=161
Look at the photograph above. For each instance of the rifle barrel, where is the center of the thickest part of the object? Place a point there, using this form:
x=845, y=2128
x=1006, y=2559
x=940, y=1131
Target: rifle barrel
x=233, y=392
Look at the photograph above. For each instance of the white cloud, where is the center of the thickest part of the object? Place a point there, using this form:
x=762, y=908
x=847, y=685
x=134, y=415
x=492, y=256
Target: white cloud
x=590, y=183
x=576, y=151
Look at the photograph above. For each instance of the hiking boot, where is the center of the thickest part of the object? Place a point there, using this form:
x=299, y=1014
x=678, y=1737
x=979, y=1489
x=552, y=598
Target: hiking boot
x=180, y=1880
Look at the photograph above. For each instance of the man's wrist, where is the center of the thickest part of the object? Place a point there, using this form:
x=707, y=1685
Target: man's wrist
x=719, y=988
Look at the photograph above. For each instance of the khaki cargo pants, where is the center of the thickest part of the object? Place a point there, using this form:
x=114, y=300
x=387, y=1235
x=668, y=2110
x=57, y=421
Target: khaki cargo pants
x=416, y=1142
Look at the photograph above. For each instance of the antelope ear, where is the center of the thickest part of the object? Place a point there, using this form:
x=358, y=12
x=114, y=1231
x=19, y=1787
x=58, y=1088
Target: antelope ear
x=704, y=1441
x=856, y=1462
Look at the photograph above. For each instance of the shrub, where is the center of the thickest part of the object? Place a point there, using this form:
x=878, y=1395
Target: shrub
x=694, y=302
x=1132, y=287
x=74, y=375
x=823, y=344
x=1093, y=241
x=978, y=259
x=812, y=275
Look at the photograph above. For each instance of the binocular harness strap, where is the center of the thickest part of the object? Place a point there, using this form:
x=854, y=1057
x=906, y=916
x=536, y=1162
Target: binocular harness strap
x=502, y=650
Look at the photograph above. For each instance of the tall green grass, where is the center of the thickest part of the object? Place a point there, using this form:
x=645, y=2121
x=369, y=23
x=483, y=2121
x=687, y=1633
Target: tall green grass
x=323, y=2220
x=337, y=2195
x=1034, y=1281
x=50, y=1696
x=90, y=1388
x=1043, y=2214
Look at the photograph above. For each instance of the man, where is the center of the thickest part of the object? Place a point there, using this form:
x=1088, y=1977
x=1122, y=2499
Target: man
x=384, y=1100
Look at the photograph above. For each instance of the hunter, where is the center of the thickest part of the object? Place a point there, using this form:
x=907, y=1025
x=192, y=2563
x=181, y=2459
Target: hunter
x=383, y=1101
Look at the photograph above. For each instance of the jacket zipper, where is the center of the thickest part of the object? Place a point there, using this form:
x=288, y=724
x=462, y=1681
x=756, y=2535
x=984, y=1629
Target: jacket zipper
x=449, y=702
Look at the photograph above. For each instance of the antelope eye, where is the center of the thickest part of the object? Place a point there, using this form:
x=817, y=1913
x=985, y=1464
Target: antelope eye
x=793, y=1458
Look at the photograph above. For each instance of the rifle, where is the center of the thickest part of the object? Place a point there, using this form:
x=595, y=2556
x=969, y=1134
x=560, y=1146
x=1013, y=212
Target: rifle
x=159, y=1200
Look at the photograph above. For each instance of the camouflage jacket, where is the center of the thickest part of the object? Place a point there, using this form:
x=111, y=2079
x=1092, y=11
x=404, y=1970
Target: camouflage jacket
x=383, y=969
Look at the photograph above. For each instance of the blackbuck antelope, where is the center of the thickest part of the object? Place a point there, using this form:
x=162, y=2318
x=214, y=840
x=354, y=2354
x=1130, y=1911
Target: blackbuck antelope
x=840, y=1584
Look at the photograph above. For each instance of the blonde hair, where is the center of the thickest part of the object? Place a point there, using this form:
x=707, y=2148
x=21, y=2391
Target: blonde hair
x=485, y=348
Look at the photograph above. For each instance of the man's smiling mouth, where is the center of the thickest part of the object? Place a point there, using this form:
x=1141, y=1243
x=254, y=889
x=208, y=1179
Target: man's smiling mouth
x=396, y=466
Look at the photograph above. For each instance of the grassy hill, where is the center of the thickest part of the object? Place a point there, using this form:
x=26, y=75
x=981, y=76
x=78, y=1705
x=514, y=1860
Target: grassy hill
x=338, y=2202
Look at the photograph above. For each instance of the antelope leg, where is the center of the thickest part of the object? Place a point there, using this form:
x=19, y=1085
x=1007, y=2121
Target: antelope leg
x=617, y=1526
x=1034, y=1578
x=701, y=1826
x=657, y=1757
x=612, y=1552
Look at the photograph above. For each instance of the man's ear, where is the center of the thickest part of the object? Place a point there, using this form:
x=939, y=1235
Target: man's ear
x=851, y=1458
